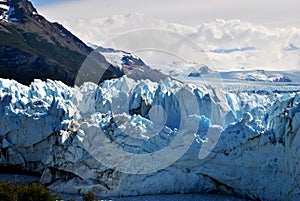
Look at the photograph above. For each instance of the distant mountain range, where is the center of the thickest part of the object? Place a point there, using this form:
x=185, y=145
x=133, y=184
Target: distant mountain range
x=258, y=75
x=199, y=71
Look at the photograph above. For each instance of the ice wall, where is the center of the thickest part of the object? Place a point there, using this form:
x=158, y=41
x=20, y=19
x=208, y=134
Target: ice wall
x=134, y=138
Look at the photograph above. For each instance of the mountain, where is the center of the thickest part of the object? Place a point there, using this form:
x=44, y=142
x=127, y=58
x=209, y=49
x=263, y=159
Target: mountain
x=258, y=76
x=131, y=65
x=32, y=47
x=196, y=71
x=200, y=71
x=184, y=70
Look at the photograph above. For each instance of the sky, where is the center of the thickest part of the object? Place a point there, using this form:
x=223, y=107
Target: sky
x=40, y=3
x=268, y=29
x=190, y=12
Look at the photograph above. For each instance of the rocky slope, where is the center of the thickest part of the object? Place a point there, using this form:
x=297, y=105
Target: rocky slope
x=131, y=65
x=134, y=138
x=32, y=47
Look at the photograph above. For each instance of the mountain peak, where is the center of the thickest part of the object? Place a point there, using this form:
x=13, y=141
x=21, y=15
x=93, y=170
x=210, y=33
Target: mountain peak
x=33, y=48
x=22, y=15
x=16, y=10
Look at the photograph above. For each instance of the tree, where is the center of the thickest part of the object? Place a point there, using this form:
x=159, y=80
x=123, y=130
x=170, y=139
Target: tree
x=90, y=196
x=24, y=192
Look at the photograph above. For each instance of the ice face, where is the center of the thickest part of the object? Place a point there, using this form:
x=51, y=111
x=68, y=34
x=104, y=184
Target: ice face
x=127, y=137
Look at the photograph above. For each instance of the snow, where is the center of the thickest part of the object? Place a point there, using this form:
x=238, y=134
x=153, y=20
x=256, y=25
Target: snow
x=130, y=138
x=261, y=75
x=4, y=7
x=119, y=58
x=115, y=58
x=6, y=16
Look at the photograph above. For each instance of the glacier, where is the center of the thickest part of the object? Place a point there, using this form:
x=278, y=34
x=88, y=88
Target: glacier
x=127, y=138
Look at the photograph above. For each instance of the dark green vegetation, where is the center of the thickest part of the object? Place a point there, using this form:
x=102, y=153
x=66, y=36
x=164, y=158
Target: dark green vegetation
x=89, y=197
x=24, y=192
x=33, y=192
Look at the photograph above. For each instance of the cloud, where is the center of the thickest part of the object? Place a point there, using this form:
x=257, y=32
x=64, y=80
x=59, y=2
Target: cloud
x=255, y=46
x=189, y=12
x=265, y=32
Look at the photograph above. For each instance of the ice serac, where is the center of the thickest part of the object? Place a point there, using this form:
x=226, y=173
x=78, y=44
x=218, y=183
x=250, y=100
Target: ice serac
x=244, y=143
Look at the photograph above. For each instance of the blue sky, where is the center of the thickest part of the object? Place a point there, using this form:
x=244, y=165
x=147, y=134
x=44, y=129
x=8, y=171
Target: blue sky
x=96, y=21
x=40, y=3
x=177, y=11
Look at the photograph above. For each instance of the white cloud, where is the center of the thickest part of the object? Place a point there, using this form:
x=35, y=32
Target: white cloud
x=94, y=21
x=189, y=12
x=266, y=44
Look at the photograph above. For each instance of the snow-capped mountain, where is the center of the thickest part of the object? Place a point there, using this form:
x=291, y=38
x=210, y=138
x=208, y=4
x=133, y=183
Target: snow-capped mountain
x=260, y=75
x=181, y=70
x=186, y=71
x=202, y=70
x=131, y=65
x=32, y=47
x=26, y=18
x=66, y=134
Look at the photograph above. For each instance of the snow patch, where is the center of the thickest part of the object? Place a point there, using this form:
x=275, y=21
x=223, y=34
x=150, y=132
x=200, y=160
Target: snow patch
x=4, y=7
x=6, y=15
x=119, y=58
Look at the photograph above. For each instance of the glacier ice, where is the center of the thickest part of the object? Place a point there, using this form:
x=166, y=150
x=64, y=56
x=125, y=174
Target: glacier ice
x=175, y=137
